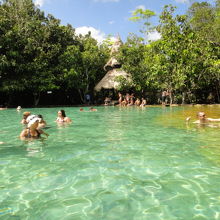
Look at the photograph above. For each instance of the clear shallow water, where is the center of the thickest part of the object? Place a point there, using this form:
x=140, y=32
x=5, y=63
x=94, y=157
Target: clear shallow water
x=126, y=163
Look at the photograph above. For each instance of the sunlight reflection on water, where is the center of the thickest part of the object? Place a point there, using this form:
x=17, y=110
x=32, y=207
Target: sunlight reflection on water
x=116, y=163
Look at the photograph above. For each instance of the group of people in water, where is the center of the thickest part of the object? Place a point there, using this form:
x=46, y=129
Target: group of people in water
x=131, y=100
x=127, y=100
x=34, y=124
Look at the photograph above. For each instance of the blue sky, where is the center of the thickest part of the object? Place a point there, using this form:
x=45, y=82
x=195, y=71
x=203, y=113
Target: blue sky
x=106, y=17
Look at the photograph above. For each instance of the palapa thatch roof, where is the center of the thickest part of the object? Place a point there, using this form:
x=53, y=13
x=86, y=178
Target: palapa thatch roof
x=115, y=47
x=112, y=64
x=109, y=80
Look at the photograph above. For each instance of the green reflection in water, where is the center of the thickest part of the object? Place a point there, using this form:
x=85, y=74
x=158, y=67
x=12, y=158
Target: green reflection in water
x=116, y=163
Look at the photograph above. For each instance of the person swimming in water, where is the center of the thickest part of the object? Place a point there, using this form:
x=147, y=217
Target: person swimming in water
x=32, y=131
x=202, y=119
x=42, y=122
x=93, y=109
x=25, y=116
x=62, y=117
x=18, y=108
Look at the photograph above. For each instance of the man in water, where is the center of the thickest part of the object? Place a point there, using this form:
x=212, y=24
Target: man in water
x=202, y=119
x=93, y=109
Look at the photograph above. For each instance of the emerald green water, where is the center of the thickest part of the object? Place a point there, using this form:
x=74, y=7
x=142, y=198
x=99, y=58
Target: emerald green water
x=116, y=163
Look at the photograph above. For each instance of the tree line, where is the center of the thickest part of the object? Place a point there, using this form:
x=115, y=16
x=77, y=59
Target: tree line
x=39, y=56
x=185, y=60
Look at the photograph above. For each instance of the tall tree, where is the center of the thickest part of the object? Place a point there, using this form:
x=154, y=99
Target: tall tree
x=83, y=65
x=202, y=18
x=31, y=45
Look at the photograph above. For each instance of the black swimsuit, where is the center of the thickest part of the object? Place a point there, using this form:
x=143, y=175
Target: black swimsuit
x=29, y=134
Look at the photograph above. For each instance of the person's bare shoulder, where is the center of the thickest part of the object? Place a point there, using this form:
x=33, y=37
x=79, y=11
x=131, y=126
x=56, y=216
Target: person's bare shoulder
x=67, y=119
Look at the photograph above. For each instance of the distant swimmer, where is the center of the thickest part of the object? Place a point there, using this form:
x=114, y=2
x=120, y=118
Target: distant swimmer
x=202, y=119
x=62, y=117
x=82, y=110
x=18, y=108
x=93, y=109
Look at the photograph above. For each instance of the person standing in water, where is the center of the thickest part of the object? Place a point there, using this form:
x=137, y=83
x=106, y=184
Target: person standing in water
x=62, y=117
x=25, y=116
x=32, y=131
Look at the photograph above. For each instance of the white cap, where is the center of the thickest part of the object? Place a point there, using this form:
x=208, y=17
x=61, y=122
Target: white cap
x=32, y=119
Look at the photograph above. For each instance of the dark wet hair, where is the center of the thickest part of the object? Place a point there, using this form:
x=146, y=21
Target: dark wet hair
x=63, y=113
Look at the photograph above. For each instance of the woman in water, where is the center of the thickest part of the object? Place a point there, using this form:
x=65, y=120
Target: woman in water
x=62, y=117
x=32, y=131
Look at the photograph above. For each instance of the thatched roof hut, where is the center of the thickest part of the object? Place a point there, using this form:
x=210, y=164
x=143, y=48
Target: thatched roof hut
x=109, y=81
x=115, y=47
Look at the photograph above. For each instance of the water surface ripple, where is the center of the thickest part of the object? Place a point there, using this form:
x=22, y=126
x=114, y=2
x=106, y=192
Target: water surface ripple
x=116, y=163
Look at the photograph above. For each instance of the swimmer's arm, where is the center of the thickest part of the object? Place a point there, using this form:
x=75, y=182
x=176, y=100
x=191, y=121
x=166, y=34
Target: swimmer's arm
x=22, y=134
x=196, y=122
x=214, y=119
x=43, y=132
x=67, y=119
x=23, y=121
x=188, y=119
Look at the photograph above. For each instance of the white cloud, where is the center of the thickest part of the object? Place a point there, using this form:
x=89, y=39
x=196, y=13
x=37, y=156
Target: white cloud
x=97, y=34
x=138, y=7
x=106, y=1
x=153, y=36
x=141, y=7
x=111, y=22
x=39, y=3
x=182, y=1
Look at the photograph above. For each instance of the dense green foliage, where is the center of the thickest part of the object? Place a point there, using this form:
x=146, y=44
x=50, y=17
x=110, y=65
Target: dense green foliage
x=38, y=54
x=185, y=60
